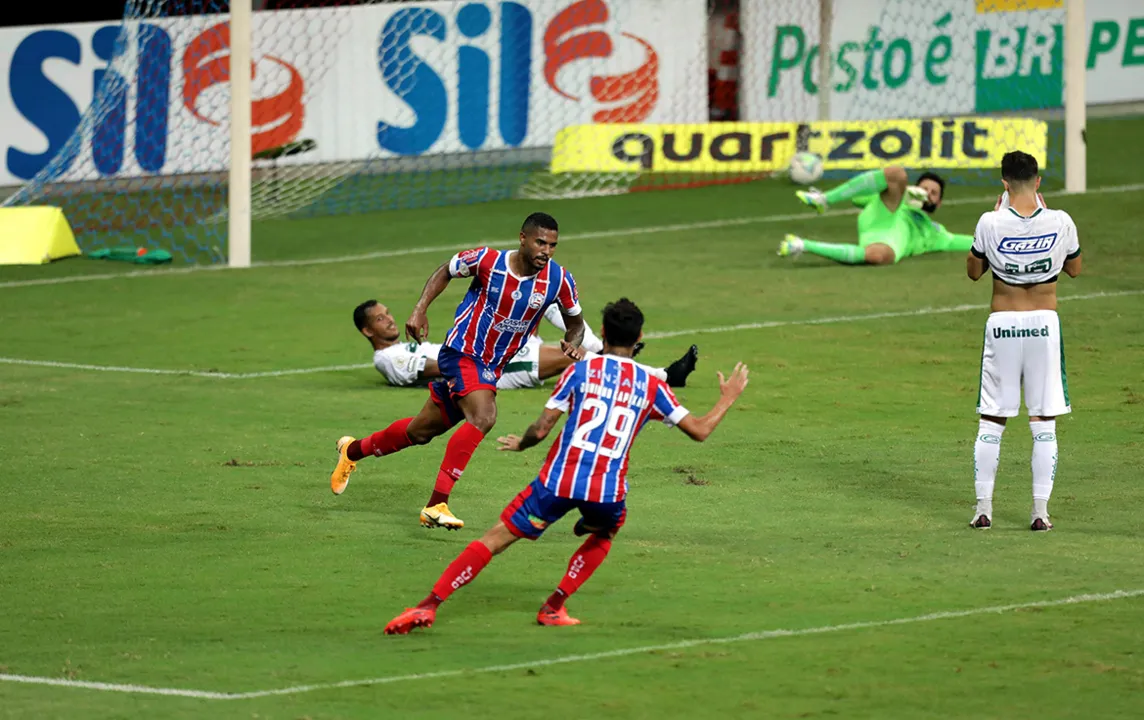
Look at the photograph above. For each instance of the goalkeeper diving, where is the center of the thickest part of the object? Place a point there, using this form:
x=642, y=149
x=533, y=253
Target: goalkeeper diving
x=894, y=224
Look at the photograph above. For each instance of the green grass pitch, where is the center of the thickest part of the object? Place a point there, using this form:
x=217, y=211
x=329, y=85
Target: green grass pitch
x=177, y=531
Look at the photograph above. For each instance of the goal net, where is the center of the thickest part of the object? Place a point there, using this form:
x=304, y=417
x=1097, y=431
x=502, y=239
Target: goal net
x=364, y=106
x=355, y=107
x=941, y=84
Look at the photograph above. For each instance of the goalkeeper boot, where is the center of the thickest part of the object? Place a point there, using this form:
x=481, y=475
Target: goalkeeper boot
x=813, y=198
x=440, y=516
x=548, y=616
x=791, y=246
x=340, y=478
x=409, y=619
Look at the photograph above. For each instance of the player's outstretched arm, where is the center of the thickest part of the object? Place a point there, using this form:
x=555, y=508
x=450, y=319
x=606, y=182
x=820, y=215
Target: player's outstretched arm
x=535, y=433
x=417, y=326
x=730, y=389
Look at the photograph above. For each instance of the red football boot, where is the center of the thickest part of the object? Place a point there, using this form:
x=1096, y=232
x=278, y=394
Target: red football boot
x=411, y=618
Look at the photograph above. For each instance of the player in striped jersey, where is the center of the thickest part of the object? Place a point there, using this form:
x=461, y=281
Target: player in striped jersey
x=508, y=294
x=608, y=400
x=409, y=364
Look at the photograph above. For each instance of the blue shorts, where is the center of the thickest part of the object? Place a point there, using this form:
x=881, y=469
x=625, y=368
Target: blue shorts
x=462, y=374
x=537, y=507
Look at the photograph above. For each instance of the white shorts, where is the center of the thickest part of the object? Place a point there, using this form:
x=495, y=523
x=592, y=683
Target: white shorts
x=1023, y=349
x=523, y=371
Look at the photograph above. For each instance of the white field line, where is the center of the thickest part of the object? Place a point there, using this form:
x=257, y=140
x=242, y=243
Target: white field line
x=872, y=316
x=619, y=232
x=189, y=373
x=566, y=659
x=669, y=334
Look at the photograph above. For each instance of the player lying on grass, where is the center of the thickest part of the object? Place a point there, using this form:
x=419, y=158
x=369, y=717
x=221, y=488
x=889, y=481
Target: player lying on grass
x=608, y=400
x=894, y=223
x=1026, y=246
x=405, y=364
x=508, y=294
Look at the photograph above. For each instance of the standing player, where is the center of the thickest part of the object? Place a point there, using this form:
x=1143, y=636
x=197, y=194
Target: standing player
x=608, y=400
x=1026, y=246
x=894, y=223
x=408, y=364
x=507, y=296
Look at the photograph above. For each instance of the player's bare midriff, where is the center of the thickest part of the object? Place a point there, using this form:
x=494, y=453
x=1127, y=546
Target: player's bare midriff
x=1023, y=298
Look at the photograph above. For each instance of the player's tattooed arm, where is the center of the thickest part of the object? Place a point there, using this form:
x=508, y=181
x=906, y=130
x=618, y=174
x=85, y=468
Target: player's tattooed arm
x=535, y=433
x=573, y=336
x=417, y=326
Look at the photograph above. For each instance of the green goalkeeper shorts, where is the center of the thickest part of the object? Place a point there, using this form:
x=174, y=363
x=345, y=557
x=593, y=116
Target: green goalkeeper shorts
x=876, y=224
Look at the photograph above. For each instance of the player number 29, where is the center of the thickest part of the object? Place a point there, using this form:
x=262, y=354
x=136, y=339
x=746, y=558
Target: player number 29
x=621, y=421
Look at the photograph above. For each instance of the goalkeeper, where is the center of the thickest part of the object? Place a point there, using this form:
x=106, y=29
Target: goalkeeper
x=894, y=223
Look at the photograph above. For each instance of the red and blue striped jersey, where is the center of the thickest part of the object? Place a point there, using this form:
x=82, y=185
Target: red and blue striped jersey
x=500, y=311
x=608, y=400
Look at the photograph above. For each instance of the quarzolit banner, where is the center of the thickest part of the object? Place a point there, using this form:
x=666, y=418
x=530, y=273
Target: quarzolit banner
x=962, y=142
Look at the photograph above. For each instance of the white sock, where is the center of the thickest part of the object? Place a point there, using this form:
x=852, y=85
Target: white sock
x=591, y=343
x=986, y=454
x=1044, y=464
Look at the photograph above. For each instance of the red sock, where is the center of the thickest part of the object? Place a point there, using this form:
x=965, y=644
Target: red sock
x=460, y=572
x=383, y=442
x=583, y=563
x=457, y=455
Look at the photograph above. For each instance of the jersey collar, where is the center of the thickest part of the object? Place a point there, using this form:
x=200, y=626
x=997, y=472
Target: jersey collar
x=1035, y=213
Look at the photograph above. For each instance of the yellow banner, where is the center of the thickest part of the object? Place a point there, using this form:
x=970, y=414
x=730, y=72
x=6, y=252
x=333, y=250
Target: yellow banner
x=964, y=142
x=992, y=6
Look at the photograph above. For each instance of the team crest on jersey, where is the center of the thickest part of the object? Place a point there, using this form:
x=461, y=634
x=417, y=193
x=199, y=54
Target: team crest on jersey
x=1027, y=245
x=536, y=300
x=516, y=294
x=488, y=375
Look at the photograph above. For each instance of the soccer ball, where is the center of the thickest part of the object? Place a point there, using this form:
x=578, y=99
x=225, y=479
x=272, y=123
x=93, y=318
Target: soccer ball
x=805, y=167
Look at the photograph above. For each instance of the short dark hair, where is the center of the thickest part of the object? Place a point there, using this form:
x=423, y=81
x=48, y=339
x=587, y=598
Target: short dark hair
x=1018, y=167
x=360, y=318
x=936, y=178
x=623, y=323
x=539, y=221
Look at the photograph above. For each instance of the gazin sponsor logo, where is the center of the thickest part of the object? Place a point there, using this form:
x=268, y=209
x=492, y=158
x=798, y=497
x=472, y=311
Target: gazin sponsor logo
x=1027, y=245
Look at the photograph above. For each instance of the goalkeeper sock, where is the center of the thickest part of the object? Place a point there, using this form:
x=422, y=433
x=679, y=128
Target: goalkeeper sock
x=838, y=252
x=953, y=243
x=986, y=454
x=867, y=183
x=1044, y=464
